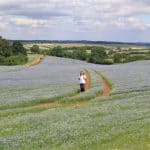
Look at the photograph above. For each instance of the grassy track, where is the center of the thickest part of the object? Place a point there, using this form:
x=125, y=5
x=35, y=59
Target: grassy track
x=35, y=60
x=102, y=88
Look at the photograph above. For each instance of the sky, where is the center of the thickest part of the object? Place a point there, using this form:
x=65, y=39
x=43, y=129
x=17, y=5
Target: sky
x=95, y=20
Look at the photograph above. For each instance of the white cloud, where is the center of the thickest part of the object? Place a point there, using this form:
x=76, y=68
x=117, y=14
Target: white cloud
x=106, y=12
x=79, y=15
x=23, y=21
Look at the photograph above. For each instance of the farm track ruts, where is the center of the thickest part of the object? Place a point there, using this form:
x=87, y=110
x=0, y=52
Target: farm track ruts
x=105, y=92
x=107, y=87
x=36, y=60
x=55, y=104
x=88, y=84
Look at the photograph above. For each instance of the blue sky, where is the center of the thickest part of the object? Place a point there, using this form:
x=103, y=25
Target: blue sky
x=109, y=20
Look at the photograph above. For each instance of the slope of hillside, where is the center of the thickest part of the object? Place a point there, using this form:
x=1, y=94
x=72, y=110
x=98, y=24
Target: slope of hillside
x=119, y=120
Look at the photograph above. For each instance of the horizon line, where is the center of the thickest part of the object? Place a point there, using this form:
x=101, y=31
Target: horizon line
x=92, y=41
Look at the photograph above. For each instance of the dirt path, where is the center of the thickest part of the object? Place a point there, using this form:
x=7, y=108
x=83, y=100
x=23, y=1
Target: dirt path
x=106, y=91
x=107, y=88
x=55, y=104
x=36, y=60
x=88, y=82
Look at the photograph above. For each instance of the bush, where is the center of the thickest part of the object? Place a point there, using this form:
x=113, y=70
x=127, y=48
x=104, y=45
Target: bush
x=117, y=58
x=14, y=54
x=79, y=54
x=2, y=60
x=136, y=57
x=5, y=48
x=57, y=51
x=13, y=60
x=35, y=49
x=120, y=57
x=108, y=61
x=18, y=48
x=98, y=54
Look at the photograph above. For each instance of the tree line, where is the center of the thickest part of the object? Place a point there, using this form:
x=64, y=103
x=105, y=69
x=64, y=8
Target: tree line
x=92, y=54
x=12, y=53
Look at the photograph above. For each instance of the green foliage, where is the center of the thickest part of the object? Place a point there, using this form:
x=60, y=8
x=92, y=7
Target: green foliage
x=111, y=52
x=108, y=61
x=13, y=60
x=64, y=52
x=68, y=54
x=120, y=57
x=18, y=48
x=5, y=48
x=98, y=54
x=117, y=58
x=137, y=57
x=147, y=57
x=95, y=54
x=2, y=59
x=79, y=54
x=57, y=51
x=14, y=54
x=35, y=49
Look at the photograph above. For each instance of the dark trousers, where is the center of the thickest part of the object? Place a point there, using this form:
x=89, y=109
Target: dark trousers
x=82, y=87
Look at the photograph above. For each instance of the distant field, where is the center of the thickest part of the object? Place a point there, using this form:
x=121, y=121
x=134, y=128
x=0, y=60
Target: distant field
x=41, y=109
x=109, y=47
x=51, y=45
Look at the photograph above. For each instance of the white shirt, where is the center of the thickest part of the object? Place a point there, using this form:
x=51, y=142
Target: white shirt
x=82, y=79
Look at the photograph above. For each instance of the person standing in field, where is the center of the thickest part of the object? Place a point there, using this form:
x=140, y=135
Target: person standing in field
x=82, y=79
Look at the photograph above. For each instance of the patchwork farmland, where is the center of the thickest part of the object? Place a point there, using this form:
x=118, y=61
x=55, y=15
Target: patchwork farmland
x=41, y=107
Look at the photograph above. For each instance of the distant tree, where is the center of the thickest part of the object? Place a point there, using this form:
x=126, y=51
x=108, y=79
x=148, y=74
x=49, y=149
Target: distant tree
x=57, y=51
x=14, y=54
x=79, y=54
x=136, y=57
x=83, y=54
x=117, y=58
x=120, y=57
x=18, y=48
x=98, y=54
x=35, y=49
x=5, y=49
x=67, y=53
x=2, y=60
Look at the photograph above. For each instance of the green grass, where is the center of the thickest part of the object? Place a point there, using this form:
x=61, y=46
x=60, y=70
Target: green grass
x=96, y=89
x=114, y=122
x=119, y=121
x=35, y=102
x=31, y=56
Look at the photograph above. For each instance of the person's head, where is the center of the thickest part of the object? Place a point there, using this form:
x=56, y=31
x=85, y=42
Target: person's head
x=82, y=73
